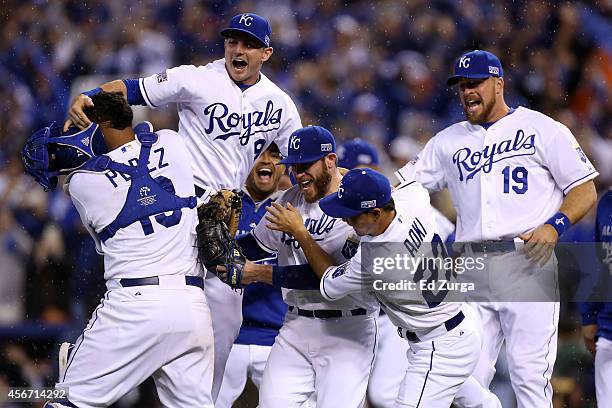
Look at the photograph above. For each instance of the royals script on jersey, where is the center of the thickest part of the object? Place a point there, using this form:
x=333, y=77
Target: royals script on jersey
x=224, y=128
x=135, y=251
x=333, y=235
x=504, y=180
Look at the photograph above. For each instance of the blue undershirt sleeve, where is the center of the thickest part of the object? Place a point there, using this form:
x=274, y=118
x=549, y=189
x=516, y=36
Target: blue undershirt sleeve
x=134, y=96
x=295, y=277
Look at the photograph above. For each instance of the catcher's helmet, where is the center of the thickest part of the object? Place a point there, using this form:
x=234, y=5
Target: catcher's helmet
x=50, y=152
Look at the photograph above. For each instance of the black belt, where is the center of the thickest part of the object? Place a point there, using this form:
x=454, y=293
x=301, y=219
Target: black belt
x=328, y=314
x=450, y=324
x=492, y=246
x=154, y=280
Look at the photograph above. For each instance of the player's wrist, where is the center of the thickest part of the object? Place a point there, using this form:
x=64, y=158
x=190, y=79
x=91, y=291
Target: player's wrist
x=300, y=232
x=560, y=222
x=262, y=273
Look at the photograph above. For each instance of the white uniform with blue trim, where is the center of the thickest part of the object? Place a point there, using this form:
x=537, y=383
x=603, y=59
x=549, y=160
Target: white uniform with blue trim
x=224, y=128
x=330, y=357
x=163, y=330
x=506, y=179
x=439, y=360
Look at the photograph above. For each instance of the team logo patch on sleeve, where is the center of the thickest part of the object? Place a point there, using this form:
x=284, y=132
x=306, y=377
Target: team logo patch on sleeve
x=162, y=77
x=350, y=248
x=339, y=271
x=581, y=155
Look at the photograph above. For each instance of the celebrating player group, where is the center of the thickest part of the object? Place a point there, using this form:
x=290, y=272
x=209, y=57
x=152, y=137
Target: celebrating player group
x=317, y=330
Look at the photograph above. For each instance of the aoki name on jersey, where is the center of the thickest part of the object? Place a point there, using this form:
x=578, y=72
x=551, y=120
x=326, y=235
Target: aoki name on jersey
x=219, y=117
x=469, y=162
x=316, y=227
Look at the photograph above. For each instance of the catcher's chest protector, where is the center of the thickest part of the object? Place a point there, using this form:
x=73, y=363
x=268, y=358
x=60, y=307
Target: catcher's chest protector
x=146, y=196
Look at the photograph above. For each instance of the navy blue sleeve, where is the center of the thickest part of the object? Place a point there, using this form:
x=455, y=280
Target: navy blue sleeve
x=590, y=311
x=295, y=277
x=250, y=247
x=134, y=97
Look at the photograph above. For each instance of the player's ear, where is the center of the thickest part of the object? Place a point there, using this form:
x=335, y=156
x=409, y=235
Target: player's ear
x=268, y=51
x=499, y=86
x=331, y=160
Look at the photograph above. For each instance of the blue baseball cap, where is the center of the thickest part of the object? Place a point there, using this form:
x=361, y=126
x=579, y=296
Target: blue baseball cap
x=360, y=190
x=476, y=64
x=309, y=144
x=357, y=152
x=252, y=24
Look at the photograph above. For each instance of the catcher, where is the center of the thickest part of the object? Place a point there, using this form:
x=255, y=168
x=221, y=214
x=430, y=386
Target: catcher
x=138, y=202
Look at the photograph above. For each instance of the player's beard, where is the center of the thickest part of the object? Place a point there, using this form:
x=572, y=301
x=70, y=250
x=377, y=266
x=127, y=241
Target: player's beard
x=321, y=186
x=481, y=117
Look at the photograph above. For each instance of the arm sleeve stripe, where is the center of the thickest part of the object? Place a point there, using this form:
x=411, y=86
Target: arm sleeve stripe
x=261, y=244
x=323, y=291
x=594, y=174
x=145, y=94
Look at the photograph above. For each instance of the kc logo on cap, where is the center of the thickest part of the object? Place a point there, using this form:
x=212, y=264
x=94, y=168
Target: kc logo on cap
x=252, y=24
x=246, y=20
x=476, y=64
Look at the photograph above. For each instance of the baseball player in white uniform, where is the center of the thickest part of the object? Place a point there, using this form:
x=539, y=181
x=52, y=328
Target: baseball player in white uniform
x=515, y=175
x=388, y=371
x=444, y=336
x=229, y=112
x=138, y=202
x=325, y=349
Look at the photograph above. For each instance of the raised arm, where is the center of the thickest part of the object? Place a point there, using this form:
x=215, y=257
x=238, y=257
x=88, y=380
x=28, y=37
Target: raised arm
x=76, y=116
x=288, y=219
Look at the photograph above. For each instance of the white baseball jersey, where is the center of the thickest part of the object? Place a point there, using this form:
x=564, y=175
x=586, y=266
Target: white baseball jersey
x=223, y=127
x=131, y=253
x=129, y=338
x=333, y=235
x=504, y=180
x=414, y=221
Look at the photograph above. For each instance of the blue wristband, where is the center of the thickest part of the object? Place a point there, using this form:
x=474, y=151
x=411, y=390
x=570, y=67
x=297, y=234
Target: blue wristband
x=92, y=92
x=560, y=222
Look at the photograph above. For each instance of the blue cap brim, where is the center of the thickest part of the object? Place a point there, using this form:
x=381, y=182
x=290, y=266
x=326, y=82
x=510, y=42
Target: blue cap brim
x=227, y=31
x=455, y=78
x=289, y=160
x=332, y=206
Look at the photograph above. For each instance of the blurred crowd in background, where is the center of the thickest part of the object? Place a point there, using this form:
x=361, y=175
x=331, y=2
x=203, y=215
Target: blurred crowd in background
x=369, y=69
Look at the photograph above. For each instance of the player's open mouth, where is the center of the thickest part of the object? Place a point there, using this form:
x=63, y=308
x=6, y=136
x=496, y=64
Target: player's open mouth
x=265, y=175
x=305, y=184
x=239, y=63
x=472, y=104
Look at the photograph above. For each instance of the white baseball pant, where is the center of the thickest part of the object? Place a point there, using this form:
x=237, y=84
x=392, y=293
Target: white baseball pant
x=330, y=357
x=603, y=372
x=439, y=366
x=389, y=366
x=136, y=332
x=245, y=361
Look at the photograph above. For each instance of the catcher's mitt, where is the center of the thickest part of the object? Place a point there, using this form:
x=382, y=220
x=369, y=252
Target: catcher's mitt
x=218, y=223
x=224, y=206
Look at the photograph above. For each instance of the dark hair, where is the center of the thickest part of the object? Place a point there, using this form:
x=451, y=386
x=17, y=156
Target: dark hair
x=110, y=108
x=273, y=148
x=390, y=206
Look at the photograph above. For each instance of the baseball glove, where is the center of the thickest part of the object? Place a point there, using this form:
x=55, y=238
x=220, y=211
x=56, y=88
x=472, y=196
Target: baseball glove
x=218, y=223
